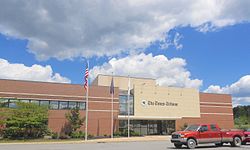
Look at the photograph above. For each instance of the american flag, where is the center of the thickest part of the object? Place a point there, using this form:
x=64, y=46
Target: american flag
x=86, y=77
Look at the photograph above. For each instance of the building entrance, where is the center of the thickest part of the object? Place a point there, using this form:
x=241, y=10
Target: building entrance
x=149, y=127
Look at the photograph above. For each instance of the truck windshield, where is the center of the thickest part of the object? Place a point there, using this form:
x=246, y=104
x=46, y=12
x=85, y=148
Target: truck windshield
x=192, y=128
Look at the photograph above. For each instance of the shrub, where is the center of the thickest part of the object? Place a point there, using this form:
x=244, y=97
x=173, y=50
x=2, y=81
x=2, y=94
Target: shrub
x=63, y=136
x=54, y=135
x=117, y=133
x=77, y=134
x=27, y=120
x=132, y=133
x=90, y=136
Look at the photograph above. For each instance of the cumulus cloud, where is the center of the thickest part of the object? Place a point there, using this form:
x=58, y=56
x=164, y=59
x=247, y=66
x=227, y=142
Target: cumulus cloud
x=167, y=72
x=81, y=28
x=240, y=90
x=34, y=73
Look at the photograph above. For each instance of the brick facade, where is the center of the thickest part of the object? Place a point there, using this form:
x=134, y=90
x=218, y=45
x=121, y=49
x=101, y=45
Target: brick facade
x=215, y=108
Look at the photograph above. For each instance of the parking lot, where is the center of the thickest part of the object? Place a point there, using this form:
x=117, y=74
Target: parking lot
x=149, y=145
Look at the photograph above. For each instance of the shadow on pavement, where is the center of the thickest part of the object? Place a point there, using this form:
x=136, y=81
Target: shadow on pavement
x=202, y=147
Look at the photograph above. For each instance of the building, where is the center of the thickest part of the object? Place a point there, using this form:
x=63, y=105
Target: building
x=153, y=109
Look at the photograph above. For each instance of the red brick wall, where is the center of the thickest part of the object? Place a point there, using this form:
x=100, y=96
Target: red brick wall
x=215, y=108
x=99, y=102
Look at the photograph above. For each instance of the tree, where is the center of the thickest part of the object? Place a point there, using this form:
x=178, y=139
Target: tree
x=242, y=116
x=27, y=120
x=74, y=119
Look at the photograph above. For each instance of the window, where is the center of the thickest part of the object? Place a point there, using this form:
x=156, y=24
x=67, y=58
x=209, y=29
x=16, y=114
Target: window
x=204, y=128
x=72, y=105
x=12, y=103
x=123, y=99
x=25, y=101
x=63, y=105
x=192, y=128
x=213, y=127
x=82, y=106
x=53, y=104
x=35, y=102
x=44, y=103
x=123, y=109
x=4, y=102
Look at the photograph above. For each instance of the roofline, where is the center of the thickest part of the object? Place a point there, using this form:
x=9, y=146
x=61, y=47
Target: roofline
x=39, y=81
x=53, y=82
x=125, y=76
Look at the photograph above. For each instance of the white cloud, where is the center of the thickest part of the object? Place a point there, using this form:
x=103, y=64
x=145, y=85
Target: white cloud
x=240, y=90
x=167, y=72
x=34, y=73
x=172, y=41
x=67, y=29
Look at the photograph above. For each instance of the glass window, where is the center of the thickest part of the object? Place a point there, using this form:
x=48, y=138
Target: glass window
x=72, y=105
x=44, y=103
x=12, y=103
x=123, y=109
x=192, y=128
x=213, y=127
x=123, y=98
x=25, y=100
x=63, y=105
x=35, y=101
x=4, y=102
x=124, y=104
x=204, y=128
x=53, y=104
x=81, y=105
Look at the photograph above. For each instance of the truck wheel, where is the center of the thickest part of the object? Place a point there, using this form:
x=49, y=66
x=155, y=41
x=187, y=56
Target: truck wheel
x=177, y=145
x=236, y=142
x=191, y=143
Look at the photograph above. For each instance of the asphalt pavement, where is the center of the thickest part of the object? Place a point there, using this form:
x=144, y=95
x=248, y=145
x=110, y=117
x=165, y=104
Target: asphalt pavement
x=142, y=145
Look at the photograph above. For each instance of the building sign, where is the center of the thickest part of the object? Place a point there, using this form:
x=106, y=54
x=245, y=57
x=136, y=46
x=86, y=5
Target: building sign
x=164, y=102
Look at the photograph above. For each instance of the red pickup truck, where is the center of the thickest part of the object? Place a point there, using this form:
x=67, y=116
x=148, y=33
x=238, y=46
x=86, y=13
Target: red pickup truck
x=247, y=137
x=206, y=133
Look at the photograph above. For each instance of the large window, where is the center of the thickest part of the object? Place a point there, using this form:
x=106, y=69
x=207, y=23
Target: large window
x=72, y=105
x=4, y=102
x=12, y=103
x=44, y=103
x=25, y=100
x=52, y=104
x=81, y=105
x=149, y=127
x=63, y=105
x=124, y=104
x=35, y=101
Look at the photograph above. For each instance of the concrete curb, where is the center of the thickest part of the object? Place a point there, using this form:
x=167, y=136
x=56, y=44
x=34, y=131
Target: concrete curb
x=106, y=140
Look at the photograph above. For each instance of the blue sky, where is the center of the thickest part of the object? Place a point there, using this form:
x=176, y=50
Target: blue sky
x=209, y=52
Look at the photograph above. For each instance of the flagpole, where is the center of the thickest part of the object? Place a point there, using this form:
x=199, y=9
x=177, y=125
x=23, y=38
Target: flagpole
x=87, y=107
x=112, y=110
x=128, y=105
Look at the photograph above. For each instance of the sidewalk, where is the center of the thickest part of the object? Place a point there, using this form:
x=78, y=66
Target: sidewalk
x=104, y=140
